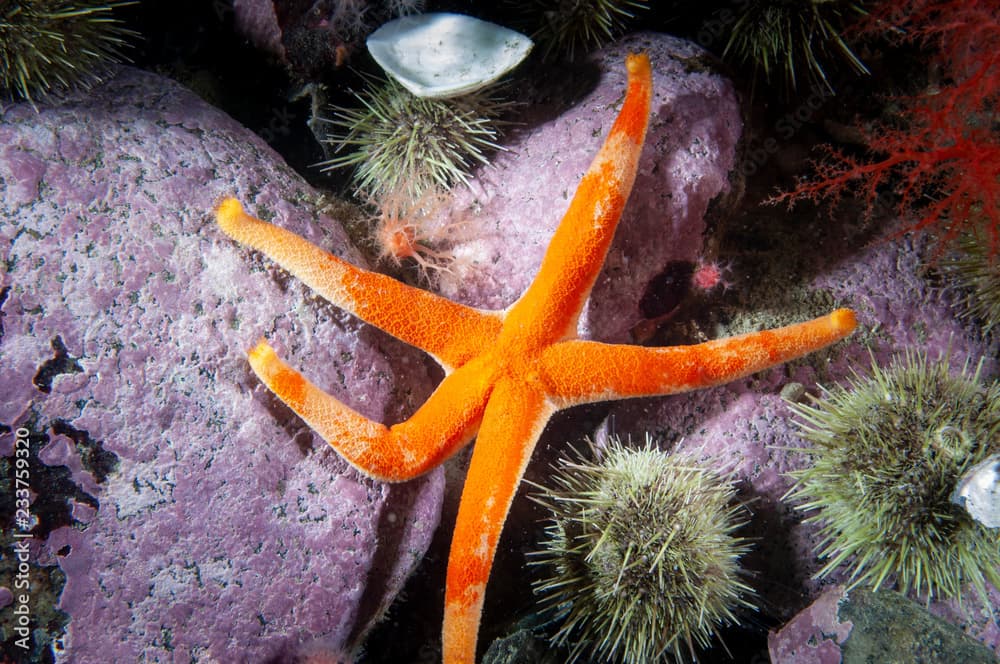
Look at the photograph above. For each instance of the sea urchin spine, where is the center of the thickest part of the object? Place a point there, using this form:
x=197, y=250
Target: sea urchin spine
x=887, y=453
x=975, y=268
x=54, y=45
x=573, y=27
x=398, y=142
x=641, y=555
x=780, y=35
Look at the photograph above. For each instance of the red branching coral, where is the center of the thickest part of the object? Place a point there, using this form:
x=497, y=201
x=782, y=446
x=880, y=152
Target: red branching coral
x=943, y=157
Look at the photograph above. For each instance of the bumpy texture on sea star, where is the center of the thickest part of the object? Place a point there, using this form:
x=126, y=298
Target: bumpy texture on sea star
x=507, y=371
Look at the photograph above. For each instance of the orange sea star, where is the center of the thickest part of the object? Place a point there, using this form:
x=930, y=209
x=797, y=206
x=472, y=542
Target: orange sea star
x=507, y=371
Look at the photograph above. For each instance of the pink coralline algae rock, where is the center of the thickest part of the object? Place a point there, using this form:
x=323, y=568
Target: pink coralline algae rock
x=257, y=20
x=514, y=205
x=861, y=626
x=194, y=516
x=814, y=636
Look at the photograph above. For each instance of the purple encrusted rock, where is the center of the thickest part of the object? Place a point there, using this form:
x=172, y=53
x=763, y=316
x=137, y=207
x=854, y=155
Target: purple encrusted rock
x=814, y=636
x=514, y=205
x=864, y=626
x=194, y=516
x=257, y=20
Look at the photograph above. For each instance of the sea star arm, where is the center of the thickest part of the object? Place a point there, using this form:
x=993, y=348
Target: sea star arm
x=516, y=414
x=586, y=371
x=450, y=332
x=549, y=308
x=441, y=426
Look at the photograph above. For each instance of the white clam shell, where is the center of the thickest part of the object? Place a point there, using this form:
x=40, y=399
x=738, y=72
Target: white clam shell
x=979, y=492
x=445, y=55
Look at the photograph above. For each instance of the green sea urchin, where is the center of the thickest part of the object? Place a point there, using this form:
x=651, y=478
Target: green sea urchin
x=888, y=451
x=400, y=143
x=783, y=36
x=641, y=555
x=976, y=269
x=49, y=46
x=567, y=27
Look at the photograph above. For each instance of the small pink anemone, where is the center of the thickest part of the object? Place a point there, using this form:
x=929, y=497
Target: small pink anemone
x=420, y=230
x=708, y=275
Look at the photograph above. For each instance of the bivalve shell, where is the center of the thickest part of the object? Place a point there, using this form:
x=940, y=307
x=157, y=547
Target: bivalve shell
x=446, y=55
x=979, y=492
